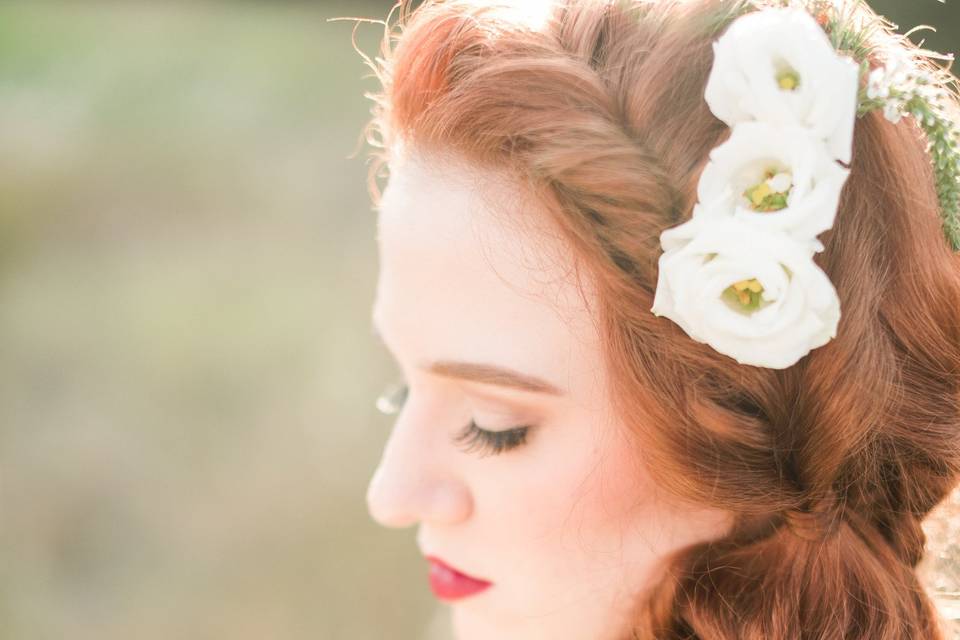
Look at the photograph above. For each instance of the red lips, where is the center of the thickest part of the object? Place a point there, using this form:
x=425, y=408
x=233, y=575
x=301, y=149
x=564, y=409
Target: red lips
x=449, y=584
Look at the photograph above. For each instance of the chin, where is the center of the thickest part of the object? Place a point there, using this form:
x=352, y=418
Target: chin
x=469, y=624
x=472, y=624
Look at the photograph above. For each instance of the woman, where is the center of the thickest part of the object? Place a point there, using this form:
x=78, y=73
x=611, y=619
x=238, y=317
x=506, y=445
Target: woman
x=629, y=468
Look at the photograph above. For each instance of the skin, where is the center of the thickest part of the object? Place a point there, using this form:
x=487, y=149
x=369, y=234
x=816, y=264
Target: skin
x=568, y=526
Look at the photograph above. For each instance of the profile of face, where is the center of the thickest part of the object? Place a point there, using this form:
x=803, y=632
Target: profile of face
x=477, y=303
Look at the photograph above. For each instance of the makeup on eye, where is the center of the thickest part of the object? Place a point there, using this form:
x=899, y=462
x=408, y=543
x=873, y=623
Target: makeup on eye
x=496, y=407
x=393, y=397
x=492, y=442
x=474, y=436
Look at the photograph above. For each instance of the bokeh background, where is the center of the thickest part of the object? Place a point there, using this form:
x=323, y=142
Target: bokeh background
x=187, y=374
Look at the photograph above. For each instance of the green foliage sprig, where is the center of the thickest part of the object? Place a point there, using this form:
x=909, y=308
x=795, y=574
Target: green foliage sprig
x=944, y=137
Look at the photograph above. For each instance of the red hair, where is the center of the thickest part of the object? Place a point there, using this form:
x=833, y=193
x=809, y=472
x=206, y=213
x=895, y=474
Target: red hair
x=829, y=465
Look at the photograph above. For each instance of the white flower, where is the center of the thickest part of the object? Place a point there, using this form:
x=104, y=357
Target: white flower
x=877, y=86
x=778, y=66
x=899, y=67
x=752, y=294
x=892, y=112
x=897, y=74
x=774, y=177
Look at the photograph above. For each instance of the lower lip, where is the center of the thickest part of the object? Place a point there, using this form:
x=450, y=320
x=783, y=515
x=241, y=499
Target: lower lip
x=449, y=584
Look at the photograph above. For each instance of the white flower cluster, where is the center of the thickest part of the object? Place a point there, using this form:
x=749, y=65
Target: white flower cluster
x=896, y=82
x=740, y=275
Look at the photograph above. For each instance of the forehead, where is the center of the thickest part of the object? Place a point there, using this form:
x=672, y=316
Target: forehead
x=470, y=267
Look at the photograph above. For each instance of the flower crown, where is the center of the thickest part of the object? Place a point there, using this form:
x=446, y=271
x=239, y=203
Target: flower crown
x=740, y=275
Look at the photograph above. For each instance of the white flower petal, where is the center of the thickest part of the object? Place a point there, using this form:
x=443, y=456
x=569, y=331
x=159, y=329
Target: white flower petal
x=679, y=235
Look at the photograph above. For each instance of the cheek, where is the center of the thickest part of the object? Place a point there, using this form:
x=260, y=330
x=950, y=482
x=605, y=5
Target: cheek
x=590, y=518
x=579, y=520
x=627, y=524
x=613, y=521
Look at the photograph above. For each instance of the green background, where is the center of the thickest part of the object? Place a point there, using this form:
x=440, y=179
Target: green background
x=187, y=375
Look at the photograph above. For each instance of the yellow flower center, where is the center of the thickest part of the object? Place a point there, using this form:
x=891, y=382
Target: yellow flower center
x=747, y=293
x=758, y=193
x=788, y=80
x=771, y=193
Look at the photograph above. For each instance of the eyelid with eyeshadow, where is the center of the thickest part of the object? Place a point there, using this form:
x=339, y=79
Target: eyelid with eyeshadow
x=492, y=442
x=473, y=435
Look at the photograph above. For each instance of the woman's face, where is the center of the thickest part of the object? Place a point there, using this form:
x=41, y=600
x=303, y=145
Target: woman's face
x=567, y=525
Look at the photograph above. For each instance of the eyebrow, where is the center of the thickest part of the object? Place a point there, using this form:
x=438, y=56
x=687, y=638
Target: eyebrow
x=485, y=373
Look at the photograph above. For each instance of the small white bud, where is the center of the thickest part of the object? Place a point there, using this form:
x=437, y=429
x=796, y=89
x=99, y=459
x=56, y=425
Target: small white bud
x=781, y=182
x=892, y=112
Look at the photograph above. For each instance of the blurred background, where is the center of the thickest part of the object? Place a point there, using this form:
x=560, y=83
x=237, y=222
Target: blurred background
x=187, y=375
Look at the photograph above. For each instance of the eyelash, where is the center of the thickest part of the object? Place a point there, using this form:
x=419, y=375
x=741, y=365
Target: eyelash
x=476, y=438
x=492, y=442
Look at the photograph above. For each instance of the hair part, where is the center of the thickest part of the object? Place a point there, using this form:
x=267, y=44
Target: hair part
x=830, y=465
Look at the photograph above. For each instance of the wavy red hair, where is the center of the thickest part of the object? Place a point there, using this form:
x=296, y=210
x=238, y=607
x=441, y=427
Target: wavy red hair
x=830, y=465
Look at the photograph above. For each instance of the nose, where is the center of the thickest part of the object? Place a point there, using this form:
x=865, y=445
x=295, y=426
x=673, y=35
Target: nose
x=416, y=481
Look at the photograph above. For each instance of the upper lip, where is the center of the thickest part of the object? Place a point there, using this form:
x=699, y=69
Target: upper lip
x=435, y=558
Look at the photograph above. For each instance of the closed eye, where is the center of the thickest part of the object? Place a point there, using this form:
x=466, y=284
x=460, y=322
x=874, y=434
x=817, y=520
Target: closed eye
x=473, y=436
x=492, y=442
